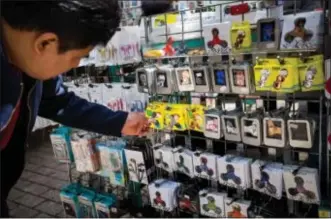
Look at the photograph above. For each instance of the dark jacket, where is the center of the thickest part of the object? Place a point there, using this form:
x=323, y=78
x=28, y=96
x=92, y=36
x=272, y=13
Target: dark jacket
x=49, y=99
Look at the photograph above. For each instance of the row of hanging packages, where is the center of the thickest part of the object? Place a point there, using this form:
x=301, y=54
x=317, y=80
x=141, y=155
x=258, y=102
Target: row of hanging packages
x=204, y=155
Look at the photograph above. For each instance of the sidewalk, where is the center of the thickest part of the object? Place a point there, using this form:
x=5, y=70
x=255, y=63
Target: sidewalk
x=37, y=192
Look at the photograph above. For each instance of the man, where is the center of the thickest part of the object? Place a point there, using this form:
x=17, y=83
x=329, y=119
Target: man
x=39, y=41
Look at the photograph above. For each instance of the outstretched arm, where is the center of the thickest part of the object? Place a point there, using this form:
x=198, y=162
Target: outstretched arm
x=68, y=109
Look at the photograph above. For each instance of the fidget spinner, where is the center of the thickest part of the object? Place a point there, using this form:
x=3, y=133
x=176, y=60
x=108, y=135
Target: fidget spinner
x=158, y=200
x=301, y=189
x=230, y=175
x=263, y=182
x=186, y=204
x=211, y=205
x=160, y=161
x=181, y=164
x=203, y=167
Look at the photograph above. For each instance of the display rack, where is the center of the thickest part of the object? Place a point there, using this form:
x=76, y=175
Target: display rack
x=319, y=155
x=316, y=102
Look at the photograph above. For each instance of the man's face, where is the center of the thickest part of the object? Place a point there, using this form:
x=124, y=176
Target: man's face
x=50, y=63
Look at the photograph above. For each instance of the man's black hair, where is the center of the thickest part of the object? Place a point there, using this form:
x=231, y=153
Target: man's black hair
x=77, y=23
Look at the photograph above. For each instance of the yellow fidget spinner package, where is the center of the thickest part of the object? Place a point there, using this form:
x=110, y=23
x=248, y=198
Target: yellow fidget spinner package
x=196, y=117
x=241, y=37
x=176, y=117
x=155, y=112
x=285, y=76
x=311, y=73
x=263, y=74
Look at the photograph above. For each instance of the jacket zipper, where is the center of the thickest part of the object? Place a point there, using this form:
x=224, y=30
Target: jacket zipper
x=29, y=108
x=12, y=113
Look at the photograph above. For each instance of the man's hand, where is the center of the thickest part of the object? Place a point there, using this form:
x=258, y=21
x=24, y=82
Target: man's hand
x=136, y=125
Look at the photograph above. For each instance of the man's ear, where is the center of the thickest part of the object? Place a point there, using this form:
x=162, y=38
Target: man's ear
x=46, y=42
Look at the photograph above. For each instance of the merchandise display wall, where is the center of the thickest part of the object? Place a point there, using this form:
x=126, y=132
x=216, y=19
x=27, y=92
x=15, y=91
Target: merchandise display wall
x=238, y=101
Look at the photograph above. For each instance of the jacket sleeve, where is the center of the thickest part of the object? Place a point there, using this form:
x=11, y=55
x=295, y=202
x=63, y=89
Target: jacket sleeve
x=66, y=108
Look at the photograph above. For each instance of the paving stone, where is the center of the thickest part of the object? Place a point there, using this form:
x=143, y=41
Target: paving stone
x=49, y=207
x=35, y=160
x=31, y=167
x=45, y=171
x=29, y=200
x=61, y=214
x=28, y=175
x=61, y=175
x=23, y=212
x=40, y=179
x=15, y=194
x=62, y=167
x=11, y=205
x=21, y=184
x=42, y=215
x=35, y=189
x=53, y=195
x=56, y=183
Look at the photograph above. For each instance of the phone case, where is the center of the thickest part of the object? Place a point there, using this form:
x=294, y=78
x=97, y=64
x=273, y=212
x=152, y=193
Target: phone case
x=301, y=132
x=231, y=127
x=201, y=79
x=251, y=130
x=165, y=80
x=274, y=132
x=145, y=80
x=240, y=78
x=213, y=126
x=220, y=79
x=185, y=79
x=196, y=117
x=268, y=34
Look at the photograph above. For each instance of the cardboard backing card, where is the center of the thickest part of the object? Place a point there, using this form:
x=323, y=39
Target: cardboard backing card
x=274, y=132
x=268, y=34
x=267, y=178
x=302, y=184
x=185, y=79
x=212, y=203
x=301, y=132
x=164, y=157
x=220, y=78
x=236, y=209
x=163, y=194
x=205, y=165
x=251, y=130
x=139, y=171
x=302, y=30
x=201, y=79
x=240, y=79
x=145, y=79
x=217, y=38
x=234, y=171
x=184, y=161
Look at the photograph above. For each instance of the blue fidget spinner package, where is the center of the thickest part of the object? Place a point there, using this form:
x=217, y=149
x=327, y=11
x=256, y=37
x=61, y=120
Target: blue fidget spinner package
x=105, y=206
x=86, y=203
x=70, y=201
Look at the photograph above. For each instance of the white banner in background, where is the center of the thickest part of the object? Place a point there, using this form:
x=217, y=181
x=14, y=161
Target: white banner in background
x=123, y=48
